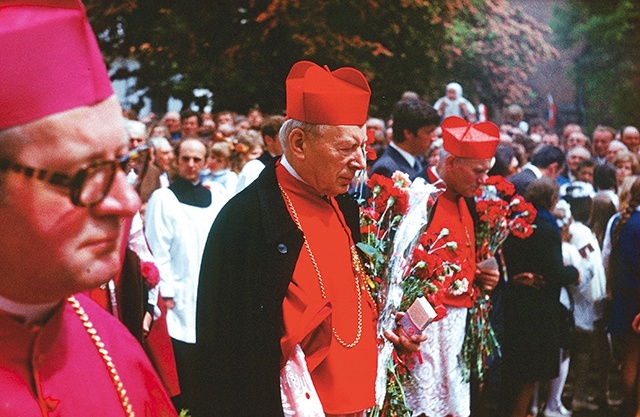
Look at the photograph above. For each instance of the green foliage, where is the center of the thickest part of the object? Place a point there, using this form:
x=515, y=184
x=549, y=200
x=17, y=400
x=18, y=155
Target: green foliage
x=242, y=49
x=607, y=67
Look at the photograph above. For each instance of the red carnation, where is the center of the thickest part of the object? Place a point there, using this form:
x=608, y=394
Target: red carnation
x=150, y=273
x=521, y=228
x=371, y=153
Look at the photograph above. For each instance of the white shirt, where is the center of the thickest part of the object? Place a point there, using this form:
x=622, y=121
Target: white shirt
x=250, y=171
x=406, y=155
x=227, y=178
x=536, y=171
x=177, y=234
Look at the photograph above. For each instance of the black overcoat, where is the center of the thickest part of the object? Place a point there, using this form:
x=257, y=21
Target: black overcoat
x=531, y=346
x=247, y=265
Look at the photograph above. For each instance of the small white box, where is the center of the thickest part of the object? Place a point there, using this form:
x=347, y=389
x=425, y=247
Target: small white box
x=418, y=316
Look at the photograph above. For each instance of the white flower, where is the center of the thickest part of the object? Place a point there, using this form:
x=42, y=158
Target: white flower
x=460, y=286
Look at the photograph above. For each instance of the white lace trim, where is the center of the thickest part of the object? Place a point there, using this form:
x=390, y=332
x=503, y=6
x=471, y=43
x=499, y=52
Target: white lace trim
x=437, y=389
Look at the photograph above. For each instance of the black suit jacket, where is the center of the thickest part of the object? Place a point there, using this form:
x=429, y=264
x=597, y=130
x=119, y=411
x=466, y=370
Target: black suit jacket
x=247, y=265
x=390, y=161
x=522, y=179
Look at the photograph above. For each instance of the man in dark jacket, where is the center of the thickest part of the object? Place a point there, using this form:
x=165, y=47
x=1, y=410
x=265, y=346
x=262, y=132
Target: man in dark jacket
x=547, y=161
x=414, y=122
x=279, y=267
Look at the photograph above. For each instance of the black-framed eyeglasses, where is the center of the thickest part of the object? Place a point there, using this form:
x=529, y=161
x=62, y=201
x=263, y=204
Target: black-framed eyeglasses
x=87, y=187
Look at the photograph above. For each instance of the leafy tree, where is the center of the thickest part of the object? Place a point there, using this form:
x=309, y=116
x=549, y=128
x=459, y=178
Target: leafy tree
x=242, y=49
x=607, y=67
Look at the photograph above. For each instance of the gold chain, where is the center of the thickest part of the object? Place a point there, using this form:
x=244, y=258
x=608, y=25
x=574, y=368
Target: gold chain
x=102, y=350
x=356, y=264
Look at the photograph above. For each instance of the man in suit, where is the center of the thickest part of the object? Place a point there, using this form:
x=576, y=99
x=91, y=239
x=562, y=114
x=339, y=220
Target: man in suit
x=548, y=161
x=414, y=122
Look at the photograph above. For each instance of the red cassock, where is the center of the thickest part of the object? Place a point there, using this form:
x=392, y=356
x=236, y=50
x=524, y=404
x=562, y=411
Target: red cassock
x=343, y=377
x=56, y=370
x=452, y=212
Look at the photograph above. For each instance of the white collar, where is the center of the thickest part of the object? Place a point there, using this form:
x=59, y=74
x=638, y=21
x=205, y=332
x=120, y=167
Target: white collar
x=30, y=312
x=289, y=168
x=406, y=155
x=536, y=171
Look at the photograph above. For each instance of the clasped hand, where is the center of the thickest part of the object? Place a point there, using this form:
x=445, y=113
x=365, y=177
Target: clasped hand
x=402, y=342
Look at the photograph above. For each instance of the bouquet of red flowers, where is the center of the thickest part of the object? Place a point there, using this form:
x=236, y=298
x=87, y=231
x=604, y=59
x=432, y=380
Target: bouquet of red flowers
x=434, y=271
x=391, y=223
x=500, y=212
x=379, y=220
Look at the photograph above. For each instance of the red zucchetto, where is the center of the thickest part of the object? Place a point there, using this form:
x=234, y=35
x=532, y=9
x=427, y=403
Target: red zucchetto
x=41, y=74
x=468, y=140
x=320, y=96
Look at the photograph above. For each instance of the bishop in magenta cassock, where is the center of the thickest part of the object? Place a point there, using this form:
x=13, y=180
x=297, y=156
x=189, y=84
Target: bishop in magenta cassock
x=65, y=210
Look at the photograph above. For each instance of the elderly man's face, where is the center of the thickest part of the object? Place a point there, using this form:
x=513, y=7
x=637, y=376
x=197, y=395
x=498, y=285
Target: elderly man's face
x=331, y=161
x=575, y=157
x=601, y=140
x=224, y=118
x=631, y=138
x=164, y=157
x=465, y=176
x=576, y=139
x=49, y=247
x=136, y=140
x=172, y=123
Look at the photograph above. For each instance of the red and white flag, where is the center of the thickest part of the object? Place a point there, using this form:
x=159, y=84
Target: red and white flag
x=552, y=111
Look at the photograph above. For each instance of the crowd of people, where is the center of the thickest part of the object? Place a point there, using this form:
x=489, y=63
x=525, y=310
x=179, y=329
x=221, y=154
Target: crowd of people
x=210, y=261
x=592, y=180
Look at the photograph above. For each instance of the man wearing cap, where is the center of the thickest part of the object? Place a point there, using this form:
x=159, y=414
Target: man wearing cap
x=280, y=267
x=414, y=122
x=65, y=209
x=465, y=159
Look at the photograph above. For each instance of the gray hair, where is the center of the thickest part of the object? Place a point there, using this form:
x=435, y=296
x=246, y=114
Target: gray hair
x=160, y=143
x=310, y=129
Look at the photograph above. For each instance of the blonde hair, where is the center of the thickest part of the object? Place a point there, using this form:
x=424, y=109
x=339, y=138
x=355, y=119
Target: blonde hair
x=247, y=141
x=626, y=156
x=624, y=192
x=220, y=150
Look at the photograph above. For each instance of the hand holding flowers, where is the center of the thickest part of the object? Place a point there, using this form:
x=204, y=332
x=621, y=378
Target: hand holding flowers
x=500, y=212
